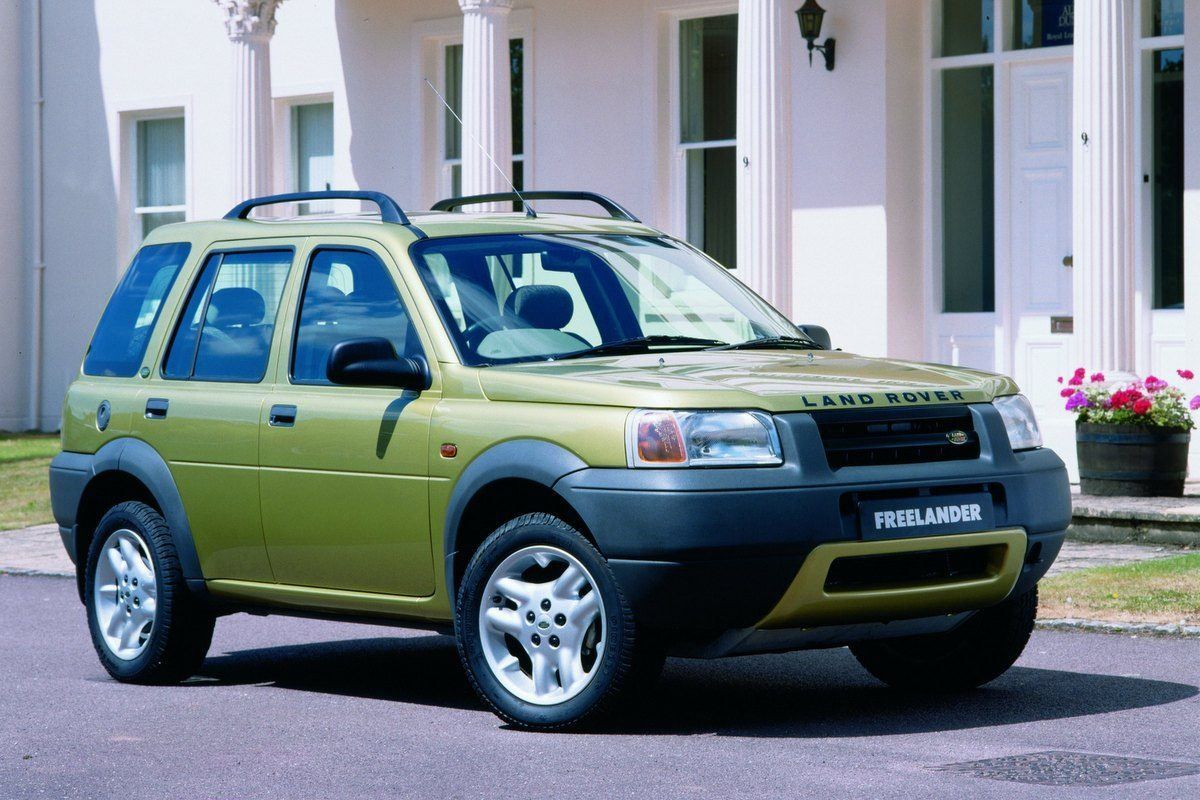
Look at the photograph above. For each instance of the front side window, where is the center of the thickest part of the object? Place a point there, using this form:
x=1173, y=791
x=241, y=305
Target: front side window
x=224, y=333
x=513, y=298
x=161, y=187
x=708, y=131
x=121, y=337
x=348, y=294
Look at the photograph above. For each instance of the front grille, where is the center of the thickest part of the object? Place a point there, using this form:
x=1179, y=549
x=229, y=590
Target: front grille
x=925, y=567
x=876, y=437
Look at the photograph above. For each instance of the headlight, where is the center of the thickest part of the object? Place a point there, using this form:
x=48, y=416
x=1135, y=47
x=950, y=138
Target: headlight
x=1019, y=421
x=701, y=439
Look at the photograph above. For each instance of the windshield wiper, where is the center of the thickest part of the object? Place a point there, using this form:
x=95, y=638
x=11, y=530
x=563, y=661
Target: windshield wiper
x=772, y=341
x=639, y=343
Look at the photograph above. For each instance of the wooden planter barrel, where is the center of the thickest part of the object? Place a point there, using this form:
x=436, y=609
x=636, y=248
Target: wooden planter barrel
x=1132, y=460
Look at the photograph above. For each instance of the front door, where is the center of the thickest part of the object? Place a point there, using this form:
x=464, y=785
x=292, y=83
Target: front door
x=1039, y=318
x=345, y=498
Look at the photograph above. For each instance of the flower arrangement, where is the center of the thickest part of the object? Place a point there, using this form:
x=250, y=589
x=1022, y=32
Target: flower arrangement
x=1152, y=402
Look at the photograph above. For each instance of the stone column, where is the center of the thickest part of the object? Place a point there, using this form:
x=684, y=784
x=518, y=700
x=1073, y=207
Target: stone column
x=250, y=25
x=1104, y=180
x=763, y=151
x=486, y=99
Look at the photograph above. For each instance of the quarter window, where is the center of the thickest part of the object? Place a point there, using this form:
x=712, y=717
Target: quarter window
x=124, y=330
x=348, y=295
x=225, y=331
x=708, y=130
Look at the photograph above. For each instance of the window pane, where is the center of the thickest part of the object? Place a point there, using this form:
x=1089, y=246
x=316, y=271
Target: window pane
x=453, y=93
x=125, y=327
x=711, y=202
x=1043, y=23
x=966, y=27
x=708, y=78
x=312, y=144
x=1166, y=17
x=1167, y=107
x=968, y=216
x=158, y=219
x=348, y=295
x=516, y=56
x=238, y=309
x=160, y=162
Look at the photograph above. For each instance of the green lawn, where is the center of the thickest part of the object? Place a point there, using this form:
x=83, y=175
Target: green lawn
x=24, y=491
x=1161, y=590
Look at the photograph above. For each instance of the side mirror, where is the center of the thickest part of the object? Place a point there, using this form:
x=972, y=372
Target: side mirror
x=818, y=334
x=373, y=361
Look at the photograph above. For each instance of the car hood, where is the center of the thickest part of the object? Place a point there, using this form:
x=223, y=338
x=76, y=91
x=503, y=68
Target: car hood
x=789, y=380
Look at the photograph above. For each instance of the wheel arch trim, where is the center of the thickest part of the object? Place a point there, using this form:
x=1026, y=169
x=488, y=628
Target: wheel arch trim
x=532, y=460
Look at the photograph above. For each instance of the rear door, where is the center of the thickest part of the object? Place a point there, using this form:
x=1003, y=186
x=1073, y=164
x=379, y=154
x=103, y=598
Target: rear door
x=345, y=499
x=200, y=410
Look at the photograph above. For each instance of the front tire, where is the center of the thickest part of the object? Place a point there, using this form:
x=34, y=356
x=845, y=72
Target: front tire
x=543, y=630
x=978, y=651
x=145, y=626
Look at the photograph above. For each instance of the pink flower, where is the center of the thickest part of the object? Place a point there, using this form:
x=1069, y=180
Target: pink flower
x=1142, y=407
x=1060, y=379
x=1066, y=392
x=1076, y=380
x=1097, y=377
x=1195, y=403
x=1154, y=384
x=1080, y=372
x=1186, y=374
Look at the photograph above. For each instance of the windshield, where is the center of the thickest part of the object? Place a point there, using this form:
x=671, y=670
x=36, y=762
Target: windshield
x=529, y=297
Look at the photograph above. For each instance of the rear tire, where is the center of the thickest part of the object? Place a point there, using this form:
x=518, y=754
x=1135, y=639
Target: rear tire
x=978, y=651
x=544, y=632
x=145, y=625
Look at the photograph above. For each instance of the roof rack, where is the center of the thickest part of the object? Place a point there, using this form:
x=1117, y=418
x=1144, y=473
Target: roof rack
x=614, y=209
x=389, y=210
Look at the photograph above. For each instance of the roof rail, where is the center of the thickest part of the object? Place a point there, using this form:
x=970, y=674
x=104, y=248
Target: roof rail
x=389, y=210
x=614, y=210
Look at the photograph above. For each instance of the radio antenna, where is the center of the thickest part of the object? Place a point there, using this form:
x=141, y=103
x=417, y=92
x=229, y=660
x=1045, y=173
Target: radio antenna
x=529, y=212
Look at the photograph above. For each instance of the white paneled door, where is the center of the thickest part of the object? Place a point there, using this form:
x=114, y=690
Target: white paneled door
x=1039, y=318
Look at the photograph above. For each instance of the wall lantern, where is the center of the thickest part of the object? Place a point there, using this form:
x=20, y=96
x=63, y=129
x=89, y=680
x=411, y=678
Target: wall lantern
x=810, y=15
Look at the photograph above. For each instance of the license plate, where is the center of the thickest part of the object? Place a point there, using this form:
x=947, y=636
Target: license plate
x=902, y=518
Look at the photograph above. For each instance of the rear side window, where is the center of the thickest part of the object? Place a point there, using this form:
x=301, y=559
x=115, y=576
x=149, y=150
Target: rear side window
x=224, y=333
x=348, y=295
x=125, y=327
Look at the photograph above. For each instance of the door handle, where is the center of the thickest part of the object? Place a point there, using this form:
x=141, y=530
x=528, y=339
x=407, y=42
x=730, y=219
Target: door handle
x=156, y=408
x=1069, y=261
x=282, y=416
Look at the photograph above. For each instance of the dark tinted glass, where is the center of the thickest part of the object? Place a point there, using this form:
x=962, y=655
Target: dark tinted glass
x=1043, y=23
x=966, y=27
x=1167, y=190
x=968, y=190
x=124, y=330
x=708, y=78
x=348, y=295
x=232, y=308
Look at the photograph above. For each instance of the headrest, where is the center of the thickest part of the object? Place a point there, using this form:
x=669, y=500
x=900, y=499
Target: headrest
x=236, y=305
x=547, y=307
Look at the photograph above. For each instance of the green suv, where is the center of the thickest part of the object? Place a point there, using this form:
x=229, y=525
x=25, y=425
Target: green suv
x=575, y=442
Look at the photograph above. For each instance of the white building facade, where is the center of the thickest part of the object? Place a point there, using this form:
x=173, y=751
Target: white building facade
x=1007, y=184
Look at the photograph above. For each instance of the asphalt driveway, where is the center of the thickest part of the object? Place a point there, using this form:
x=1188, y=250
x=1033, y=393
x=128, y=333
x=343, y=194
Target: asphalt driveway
x=297, y=708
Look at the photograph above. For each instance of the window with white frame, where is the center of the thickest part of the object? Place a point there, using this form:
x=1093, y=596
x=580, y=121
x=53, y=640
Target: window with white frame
x=312, y=150
x=1162, y=53
x=707, y=133
x=160, y=174
x=450, y=182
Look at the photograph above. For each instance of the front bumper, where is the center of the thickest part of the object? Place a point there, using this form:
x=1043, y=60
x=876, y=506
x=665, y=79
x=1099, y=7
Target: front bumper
x=704, y=551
